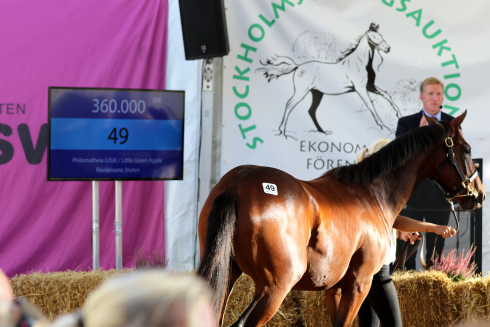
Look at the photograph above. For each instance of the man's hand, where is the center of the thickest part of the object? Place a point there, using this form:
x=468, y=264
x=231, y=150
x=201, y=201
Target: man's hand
x=444, y=231
x=408, y=236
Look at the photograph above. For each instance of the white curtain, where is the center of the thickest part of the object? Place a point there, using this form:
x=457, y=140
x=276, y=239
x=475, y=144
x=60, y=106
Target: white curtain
x=181, y=196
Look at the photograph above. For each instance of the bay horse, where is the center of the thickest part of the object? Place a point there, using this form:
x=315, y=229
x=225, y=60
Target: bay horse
x=331, y=233
x=353, y=72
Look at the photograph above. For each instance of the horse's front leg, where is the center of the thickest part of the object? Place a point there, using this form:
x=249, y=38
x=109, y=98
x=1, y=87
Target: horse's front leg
x=353, y=294
x=332, y=297
x=363, y=93
x=388, y=98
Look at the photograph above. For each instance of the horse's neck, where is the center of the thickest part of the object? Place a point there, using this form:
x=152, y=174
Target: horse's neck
x=400, y=184
x=363, y=50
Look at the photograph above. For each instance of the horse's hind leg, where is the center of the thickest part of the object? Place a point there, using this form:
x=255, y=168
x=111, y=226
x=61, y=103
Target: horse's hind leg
x=263, y=307
x=317, y=98
x=235, y=273
x=299, y=94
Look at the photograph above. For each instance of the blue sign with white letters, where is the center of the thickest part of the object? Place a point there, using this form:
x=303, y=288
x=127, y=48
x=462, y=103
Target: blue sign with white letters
x=115, y=134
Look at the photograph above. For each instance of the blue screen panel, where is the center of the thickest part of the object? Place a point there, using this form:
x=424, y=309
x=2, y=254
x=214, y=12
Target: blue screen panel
x=115, y=134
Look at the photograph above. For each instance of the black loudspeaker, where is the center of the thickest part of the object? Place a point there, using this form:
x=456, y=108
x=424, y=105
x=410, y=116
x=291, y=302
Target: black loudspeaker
x=204, y=28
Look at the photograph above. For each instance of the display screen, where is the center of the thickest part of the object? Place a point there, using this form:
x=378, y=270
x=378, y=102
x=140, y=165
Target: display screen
x=115, y=134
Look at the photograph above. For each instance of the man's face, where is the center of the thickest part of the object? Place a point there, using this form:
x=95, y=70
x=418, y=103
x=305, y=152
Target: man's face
x=432, y=98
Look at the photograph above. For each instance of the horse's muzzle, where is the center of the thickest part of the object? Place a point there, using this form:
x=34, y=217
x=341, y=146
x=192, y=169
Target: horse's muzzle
x=473, y=202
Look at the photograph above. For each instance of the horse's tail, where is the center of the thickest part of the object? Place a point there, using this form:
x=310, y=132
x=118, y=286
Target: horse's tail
x=218, y=249
x=277, y=66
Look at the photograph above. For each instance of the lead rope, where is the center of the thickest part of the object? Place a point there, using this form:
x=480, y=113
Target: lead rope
x=431, y=261
x=403, y=255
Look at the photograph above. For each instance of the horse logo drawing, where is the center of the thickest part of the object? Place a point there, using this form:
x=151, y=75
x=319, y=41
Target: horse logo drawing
x=356, y=67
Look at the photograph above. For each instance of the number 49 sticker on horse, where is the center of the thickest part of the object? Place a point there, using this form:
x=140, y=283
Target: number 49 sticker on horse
x=330, y=233
x=270, y=188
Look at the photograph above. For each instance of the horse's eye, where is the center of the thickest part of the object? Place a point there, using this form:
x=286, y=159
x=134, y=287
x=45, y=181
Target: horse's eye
x=467, y=151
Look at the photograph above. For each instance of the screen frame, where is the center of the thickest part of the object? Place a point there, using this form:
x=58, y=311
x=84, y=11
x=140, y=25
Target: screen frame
x=49, y=178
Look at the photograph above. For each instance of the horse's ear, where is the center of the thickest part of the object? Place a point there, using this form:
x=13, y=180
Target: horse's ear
x=373, y=27
x=456, y=122
x=430, y=120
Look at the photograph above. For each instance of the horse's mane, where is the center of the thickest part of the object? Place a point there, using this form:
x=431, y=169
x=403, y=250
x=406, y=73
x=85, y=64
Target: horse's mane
x=352, y=47
x=393, y=156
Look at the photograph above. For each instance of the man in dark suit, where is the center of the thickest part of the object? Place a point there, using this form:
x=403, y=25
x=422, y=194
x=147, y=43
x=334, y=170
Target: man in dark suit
x=428, y=197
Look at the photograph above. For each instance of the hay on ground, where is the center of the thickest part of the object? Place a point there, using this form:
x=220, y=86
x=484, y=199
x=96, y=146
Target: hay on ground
x=426, y=298
x=60, y=292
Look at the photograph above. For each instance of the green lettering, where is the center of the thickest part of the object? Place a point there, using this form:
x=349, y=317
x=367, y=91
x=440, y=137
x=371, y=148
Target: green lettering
x=426, y=27
x=404, y=6
x=244, y=130
x=241, y=95
x=266, y=21
x=243, y=117
x=241, y=73
x=389, y=4
x=453, y=86
x=255, y=140
x=454, y=109
x=452, y=76
x=454, y=61
x=252, y=37
x=441, y=47
x=416, y=15
x=247, y=49
x=281, y=7
x=300, y=2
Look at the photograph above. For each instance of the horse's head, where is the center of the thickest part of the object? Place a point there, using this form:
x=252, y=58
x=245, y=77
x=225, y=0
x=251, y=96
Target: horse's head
x=455, y=172
x=376, y=40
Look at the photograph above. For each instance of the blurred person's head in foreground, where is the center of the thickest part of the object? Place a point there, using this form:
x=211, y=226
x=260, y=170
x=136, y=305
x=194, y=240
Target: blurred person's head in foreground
x=372, y=149
x=146, y=298
x=15, y=313
x=6, y=292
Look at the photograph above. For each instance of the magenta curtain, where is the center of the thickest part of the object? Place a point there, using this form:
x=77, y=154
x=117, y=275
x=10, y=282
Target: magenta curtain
x=91, y=43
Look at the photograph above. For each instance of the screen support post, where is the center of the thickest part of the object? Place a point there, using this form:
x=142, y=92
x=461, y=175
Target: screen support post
x=118, y=225
x=95, y=225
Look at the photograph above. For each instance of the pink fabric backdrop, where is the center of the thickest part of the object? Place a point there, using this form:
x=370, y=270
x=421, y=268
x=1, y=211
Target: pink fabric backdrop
x=90, y=43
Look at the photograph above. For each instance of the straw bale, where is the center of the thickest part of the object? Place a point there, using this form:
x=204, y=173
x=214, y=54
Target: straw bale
x=60, y=292
x=288, y=314
x=471, y=301
x=477, y=323
x=425, y=298
x=315, y=311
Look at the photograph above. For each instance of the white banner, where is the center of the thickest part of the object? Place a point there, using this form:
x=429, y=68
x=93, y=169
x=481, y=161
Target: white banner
x=308, y=83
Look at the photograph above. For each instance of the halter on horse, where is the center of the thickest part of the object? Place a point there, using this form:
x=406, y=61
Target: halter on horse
x=330, y=233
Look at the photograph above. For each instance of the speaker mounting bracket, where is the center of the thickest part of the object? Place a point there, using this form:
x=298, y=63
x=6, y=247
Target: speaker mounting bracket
x=207, y=81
